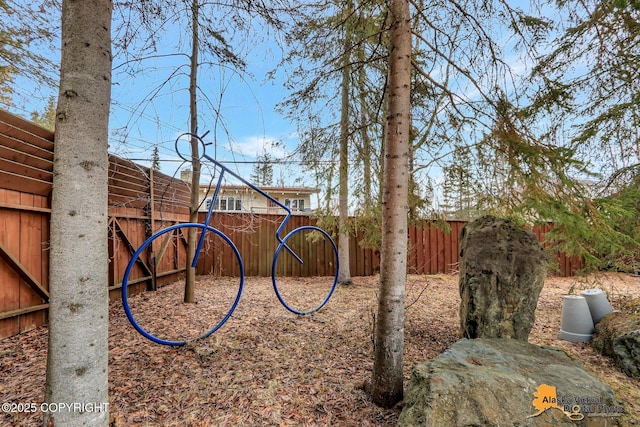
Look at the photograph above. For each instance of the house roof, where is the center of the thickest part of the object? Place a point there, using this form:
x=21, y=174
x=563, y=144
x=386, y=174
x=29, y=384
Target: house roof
x=305, y=190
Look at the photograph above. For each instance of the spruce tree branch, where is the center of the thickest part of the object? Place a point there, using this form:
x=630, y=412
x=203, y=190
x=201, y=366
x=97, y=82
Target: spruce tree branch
x=617, y=174
x=453, y=97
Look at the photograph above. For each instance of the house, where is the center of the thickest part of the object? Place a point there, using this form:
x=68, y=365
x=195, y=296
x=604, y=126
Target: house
x=242, y=199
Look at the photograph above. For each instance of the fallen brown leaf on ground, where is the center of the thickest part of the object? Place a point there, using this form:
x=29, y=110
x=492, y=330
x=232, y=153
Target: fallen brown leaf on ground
x=267, y=366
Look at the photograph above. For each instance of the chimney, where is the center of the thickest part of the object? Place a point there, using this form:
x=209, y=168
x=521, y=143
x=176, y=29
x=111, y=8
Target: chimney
x=186, y=175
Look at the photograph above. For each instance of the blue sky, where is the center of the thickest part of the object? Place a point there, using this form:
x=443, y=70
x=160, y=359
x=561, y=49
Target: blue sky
x=246, y=126
x=247, y=123
x=237, y=109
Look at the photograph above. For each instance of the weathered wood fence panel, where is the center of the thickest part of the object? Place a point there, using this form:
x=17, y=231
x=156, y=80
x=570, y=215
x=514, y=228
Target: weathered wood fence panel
x=140, y=202
x=26, y=168
x=24, y=261
x=254, y=235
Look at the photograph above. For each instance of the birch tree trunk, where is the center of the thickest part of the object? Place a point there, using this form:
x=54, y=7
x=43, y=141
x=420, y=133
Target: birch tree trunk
x=78, y=313
x=386, y=387
x=344, y=275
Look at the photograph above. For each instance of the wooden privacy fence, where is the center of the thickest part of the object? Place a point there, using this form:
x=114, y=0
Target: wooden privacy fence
x=142, y=201
x=432, y=250
x=26, y=170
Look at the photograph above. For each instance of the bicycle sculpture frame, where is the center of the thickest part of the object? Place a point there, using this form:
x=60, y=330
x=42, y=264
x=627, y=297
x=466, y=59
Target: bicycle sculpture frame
x=206, y=228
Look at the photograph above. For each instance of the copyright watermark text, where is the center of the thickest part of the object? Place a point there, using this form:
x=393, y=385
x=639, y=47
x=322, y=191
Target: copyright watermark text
x=53, y=407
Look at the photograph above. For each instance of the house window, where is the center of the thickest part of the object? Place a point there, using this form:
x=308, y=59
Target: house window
x=272, y=207
x=294, y=204
x=226, y=204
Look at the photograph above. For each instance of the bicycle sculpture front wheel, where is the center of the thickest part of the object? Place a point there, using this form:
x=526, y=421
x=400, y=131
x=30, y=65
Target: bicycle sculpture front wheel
x=154, y=283
x=309, y=258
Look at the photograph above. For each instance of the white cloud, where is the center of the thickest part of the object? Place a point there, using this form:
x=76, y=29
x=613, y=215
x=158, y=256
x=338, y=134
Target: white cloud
x=253, y=146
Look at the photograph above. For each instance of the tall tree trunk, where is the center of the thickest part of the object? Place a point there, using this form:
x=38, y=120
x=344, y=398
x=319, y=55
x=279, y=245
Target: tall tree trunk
x=189, y=286
x=344, y=275
x=364, y=135
x=77, y=361
x=386, y=387
x=383, y=145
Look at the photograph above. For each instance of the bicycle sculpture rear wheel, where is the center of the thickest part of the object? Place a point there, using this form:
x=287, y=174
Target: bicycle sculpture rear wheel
x=312, y=272
x=161, y=315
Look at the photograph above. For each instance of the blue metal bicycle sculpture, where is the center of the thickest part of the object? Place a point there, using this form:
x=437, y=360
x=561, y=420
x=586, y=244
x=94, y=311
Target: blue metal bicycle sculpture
x=205, y=228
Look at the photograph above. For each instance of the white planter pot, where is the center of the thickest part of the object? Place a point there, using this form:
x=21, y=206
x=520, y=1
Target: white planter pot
x=577, y=324
x=598, y=303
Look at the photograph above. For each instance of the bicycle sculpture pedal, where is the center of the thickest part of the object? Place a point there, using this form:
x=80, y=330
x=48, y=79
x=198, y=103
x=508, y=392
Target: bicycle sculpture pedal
x=206, y=231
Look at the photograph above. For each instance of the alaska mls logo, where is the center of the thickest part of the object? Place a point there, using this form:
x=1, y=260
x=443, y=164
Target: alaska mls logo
x=575, y=408
x=546, y=397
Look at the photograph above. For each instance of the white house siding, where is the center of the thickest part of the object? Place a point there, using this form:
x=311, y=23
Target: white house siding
x=243, y=199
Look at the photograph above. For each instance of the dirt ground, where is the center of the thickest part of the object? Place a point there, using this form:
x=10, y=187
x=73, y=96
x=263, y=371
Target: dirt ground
x=267, y=366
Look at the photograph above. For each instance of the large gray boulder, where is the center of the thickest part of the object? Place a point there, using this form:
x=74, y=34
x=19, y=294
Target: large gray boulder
x=502, y=271
x=505, y=382
x=617, y=335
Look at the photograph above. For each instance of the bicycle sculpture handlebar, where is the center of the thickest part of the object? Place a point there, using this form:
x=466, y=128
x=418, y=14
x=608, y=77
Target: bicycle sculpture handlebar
x=223, y=170
x=295, y=236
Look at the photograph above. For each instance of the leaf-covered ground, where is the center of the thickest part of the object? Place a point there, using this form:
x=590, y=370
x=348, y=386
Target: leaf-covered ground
x=267, y=366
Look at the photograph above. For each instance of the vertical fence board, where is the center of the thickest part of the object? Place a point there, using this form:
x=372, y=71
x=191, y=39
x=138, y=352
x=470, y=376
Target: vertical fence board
x=30, y=256
x=369, y=261
x=241, y=223
x=251, y=241
x=365, y=263
x=10, y=289
x=44, y=203
x=412, y=248
x=11, y=240
x=425, y=268
x=458, y=230
x=354, y=254
x=420, y=253
x=266, y=254
x=433, y=250
x=446, y=248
